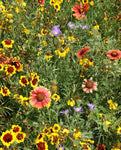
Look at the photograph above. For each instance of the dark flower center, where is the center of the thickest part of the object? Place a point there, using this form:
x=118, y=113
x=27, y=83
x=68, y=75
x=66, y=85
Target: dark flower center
x=16, y=129
x=24, y=81
x=40, y=97
x=56, y=128
x=10, y=69
x=19, y=136
x=4, y=91
x=114, y=54
x=41, y=145
x=89, y=84
x=34, y=81
x=8, y=42
x=7, y=138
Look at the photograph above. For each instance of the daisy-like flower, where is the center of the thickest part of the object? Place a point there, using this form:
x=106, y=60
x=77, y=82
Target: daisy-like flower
x=7, y=43
x=55, y=97
x=85, y=146
x=10, y=70
x=56, y=127
x=89, y=86
x=7, y=138
x=40, y=136
x=83, y=51
x=40, y=97
x=54, y=138
x=60, y=147
x=15, y=128
x=114, y=54
x=85, y=1
x=41, y=2
x=80, y=10
x=20, y=136
x=42, y=145
x=70, y=25
x=56, y=30
x=91, y=106
x=67, y=111
x=44, y=32
x=71, y=102
x=5, y=91
x=57, y=7
x=83, y=27
x=23, y=81
x=79, y=109
x=34, y=81
x=119, y=130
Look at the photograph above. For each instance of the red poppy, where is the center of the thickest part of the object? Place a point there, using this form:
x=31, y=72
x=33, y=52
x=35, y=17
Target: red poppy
x=83, y=51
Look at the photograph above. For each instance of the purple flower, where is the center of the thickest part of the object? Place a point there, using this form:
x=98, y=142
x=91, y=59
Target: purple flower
x=91, y=106
x=83, y=27
x=60, y=147
x=56, y=30
x=56, y=27
x=79, y=109
x=67, y=111
x=70, y=25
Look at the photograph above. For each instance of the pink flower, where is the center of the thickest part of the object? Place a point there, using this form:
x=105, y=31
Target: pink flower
x=83, y=51
x=80, y=10
x=41, y=2
x=40, y=97
x=114, y=54
x=89, y=86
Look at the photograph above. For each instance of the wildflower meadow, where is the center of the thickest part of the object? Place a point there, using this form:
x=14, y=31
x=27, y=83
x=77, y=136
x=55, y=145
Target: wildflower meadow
x=60, y=75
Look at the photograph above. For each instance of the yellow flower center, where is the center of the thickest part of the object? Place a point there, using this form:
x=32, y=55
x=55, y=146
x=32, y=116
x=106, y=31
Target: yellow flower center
x=114, y=54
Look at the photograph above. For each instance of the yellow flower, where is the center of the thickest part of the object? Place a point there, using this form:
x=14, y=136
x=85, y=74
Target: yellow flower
x=91, y=2
x=7, y=138
x=105, y=18
x=23, y=4
x=15, y=129
x=71, y=38
x=44, y=32
x=9, y=16
x=20, y=136
x=96, y=27
x=119, y=130
x=41, y=9
x=26, y=31
x=44, y=43
x=17, y=10
x=55, y=97
x=56, y=127
x=5, y=91
x=40, y=136
x=7, y=43
x=48, y=57
x=91, y=32
x=65, y=132
x=23, y=81
x=10, y=70
x=52, y=2
x=85, y=1
x=71, y=102
x=1, y=67
x=88, y=141
x=112, y=105
x=57, y=7
x=76, y=134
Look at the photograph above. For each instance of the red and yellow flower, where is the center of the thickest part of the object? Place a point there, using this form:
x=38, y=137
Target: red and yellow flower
x=7, y=43
x=42, y=145
x=7, y=138
x=23, y=81
x=5, y=91
x=20, y=136
x=15, y=128
x=10, y=70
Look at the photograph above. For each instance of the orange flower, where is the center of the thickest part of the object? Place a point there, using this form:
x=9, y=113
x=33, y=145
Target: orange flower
x=114, y=54
x=80, y=10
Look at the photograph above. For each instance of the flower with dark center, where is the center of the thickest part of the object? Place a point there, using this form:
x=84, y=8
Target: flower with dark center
x=89, y=86
x=40, y=97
